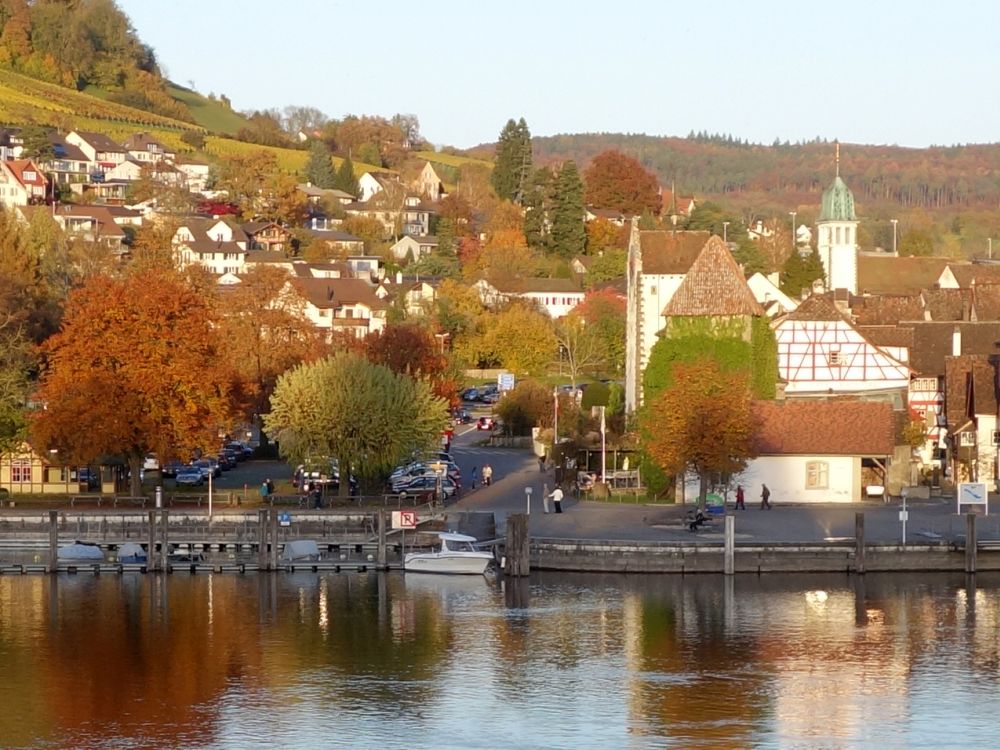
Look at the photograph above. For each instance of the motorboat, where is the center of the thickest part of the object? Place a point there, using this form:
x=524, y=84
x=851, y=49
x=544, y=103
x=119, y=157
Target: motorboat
x=300, y=549
x=131, y=553
x=80, y=552
x=454, y=553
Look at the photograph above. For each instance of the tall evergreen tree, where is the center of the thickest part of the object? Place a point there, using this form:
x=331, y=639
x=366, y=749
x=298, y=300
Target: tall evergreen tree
x=346, y=180
x=537, y=204
x=319, y=167
x=800, y=272
x=512, y=165
x=569, y=235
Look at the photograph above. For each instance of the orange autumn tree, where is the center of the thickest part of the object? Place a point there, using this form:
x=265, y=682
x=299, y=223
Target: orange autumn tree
x=410, y=349
x=135, y=369
x=700, y=422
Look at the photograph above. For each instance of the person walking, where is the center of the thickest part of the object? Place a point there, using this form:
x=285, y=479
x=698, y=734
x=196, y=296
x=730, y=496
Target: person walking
x=487, y=475
x=474, y=476
x=545, y=498
x=541, y=463
x=264, y=491
x=740, y=500
x=270, y=486
x=557, y=497
x=765, y=498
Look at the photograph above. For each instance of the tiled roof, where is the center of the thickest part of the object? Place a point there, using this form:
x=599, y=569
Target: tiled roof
x=714, y=285
x=887, y=335
x=817, y=307
x=669, y=252
x=824, y=428
x=947, y=304
x=887, y=309
x=333, y=235
x=970, y=388
x=986, y=301
x=541, y=286
x=331, y=293
x=20, y=166
x=932, y=342
x=206, y=246
x=99, y=141
x=972, y=274
x=892, y=275
x=66, y=151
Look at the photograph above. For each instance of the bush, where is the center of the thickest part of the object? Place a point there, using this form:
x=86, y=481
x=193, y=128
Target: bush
x=524, y=407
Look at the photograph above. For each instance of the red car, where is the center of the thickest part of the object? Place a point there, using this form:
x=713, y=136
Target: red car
x=486, y=423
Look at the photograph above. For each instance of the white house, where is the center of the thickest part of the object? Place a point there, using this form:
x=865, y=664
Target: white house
x=103, y=152
x=771, y=298
x=820, y=451
x=413, y=247
x=428, y=183
x=147, y=150
x=821, y=353
x=127, y=170
x=195, y=174
x=557, y=297
x=341, y=305
x=21, y=183
x=371, y=183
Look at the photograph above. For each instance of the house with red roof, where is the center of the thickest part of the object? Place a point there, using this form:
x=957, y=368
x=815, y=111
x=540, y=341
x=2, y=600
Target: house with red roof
x=821, y=451
x=22, y=183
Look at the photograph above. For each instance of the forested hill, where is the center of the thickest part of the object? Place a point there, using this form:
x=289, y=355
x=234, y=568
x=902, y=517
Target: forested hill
x=952, y=177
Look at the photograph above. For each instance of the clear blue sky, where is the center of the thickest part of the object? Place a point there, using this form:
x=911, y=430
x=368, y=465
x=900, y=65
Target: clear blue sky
x=909, y=72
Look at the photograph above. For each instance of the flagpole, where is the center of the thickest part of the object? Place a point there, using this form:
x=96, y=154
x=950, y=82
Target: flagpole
x=604, y=450
x=555, y=417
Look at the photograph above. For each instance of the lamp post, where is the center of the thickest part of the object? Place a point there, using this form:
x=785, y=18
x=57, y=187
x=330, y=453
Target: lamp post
x=794, y=243
x=441, y=337
x=725, y=236
x=527, y=495
x=894, y=223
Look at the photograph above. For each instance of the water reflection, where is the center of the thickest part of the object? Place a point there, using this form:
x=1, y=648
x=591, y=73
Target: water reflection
x=553, y=661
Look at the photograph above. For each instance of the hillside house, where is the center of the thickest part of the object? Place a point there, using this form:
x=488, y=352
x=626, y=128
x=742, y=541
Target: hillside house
x=145, y=149
x=413, y=248
x=341, y=305
x=428, y=184
x=268, y=236
x=21, y=183
x=102, y=152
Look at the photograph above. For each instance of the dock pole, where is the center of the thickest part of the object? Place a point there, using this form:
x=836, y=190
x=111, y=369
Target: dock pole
x=859, y=542
x=517, y=547
x=151, y=549
x=730, y=551
x=53, y=541
x=164, y=530
x=262, y=538
x=970, y=543
x=381, y=560
x=273, y=558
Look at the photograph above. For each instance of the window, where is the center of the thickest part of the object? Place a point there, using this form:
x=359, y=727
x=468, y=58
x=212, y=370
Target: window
x=834, y=358
x=838, y=235
x=817, y=475
x=20, y=470
x=847, y=235
x=925, y=384
x=652, y=291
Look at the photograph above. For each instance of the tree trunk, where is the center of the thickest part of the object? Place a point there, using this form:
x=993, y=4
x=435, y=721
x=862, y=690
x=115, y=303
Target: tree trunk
x=135, y=477
x=344, y=491
x=704, y=478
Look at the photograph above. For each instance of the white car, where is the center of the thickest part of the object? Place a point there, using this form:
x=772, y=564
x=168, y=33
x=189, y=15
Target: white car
x=151, y=463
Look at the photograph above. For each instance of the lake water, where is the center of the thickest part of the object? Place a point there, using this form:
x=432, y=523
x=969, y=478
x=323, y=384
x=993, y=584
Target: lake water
x=558, y=661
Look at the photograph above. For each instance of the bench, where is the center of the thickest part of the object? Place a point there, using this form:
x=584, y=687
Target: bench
x=86, y=500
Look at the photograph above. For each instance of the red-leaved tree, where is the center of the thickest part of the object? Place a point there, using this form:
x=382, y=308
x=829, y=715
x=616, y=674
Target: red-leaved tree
x=618, y=182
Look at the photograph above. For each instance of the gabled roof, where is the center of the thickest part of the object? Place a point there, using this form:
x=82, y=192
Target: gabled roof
x=332, y=293
x=332, y=235
x=66, y=151
x=540, y=286
x=714, y=285
x=100, y=142
x=20, y=166
x=141, y=141
x=824, y=428
x=891, y=275
x=206, y=246
x=668, y=252
x=885, y=336
x=986, y=301
x=887, y=309
x=970, y=388
x=973, y=274
x=932, y=343
x=253, y=227
x=817, y=307
x=947, y=304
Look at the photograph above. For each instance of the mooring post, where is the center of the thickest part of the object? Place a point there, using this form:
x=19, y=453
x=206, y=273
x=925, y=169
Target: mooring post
x=970, y=543
x=859, y=542
x=381, y=558
x=517, y=547
x=164, y=523
x=262, y=538
x=53, y=541
x=273, y=558
x=730, y=552
x=151, y=550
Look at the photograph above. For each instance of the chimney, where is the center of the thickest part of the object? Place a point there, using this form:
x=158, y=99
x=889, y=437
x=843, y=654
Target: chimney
x=399, y=277
x=956, y=342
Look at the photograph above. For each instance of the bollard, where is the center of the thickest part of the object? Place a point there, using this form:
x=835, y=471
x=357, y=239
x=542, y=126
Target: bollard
x=381, y=560
x=53, y=541
x=970, y=543
x=859, y=542
x=151, y=548
x=517, y=546
x=730, y=551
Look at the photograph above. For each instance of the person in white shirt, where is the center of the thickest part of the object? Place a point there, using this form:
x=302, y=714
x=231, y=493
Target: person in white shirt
x=557, y=496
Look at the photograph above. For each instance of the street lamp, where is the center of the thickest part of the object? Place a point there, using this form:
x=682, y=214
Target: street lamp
x=725, y=224
x=442, y=337
x=894, y=223
x=794, y=243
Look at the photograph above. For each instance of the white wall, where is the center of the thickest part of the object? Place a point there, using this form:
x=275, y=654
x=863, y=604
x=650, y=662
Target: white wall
x=655, y=292
x=786, y=478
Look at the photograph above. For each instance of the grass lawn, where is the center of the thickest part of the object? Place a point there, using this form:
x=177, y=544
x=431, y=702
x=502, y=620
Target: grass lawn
x=213, y=116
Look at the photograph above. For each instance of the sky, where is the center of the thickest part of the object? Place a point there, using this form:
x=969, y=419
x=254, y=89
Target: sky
x=905, y=72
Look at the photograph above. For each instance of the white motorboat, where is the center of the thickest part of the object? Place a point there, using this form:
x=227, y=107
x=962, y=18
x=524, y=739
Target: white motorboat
x=456, y=553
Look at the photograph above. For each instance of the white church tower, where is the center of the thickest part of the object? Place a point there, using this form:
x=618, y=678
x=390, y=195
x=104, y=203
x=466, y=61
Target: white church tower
x=838, y=235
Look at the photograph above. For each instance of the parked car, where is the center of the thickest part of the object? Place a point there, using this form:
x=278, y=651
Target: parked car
x=89, y=477
x=461, y=416
x=429, y=484
x=151, y=463
x=226, y=460
x=470, y=394
x=191, y=476
x=208, y=466
x=241, y=451
x=491, y=398
x=170, y=468
x=486, y=423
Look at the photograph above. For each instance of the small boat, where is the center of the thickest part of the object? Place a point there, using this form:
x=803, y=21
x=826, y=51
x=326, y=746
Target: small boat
x=456, y=553
x=131, y=553
x=300, y=549
x=80, y=551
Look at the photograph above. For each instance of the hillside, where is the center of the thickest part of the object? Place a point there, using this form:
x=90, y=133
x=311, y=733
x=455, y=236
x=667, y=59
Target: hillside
x=210, y=114
x=955, y=177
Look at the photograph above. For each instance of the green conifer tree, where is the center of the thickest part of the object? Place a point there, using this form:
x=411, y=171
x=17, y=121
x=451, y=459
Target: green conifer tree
x=319, y=167
x=537, y=204
x=346, y=180
x=512, y=165
x=569, y=236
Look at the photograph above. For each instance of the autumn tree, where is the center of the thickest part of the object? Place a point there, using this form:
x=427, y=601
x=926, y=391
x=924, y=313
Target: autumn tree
x=16, y=362
x=603, y=235
x=319, y=166
x=607, y=266
x=266, y=332
x=619, y=182
x=411, y=349
x=519, y=338
x=506, y=227
x=569, y=237
x=512, y=165
x=528, y=405
x=701, y=423
x=580, y=347
x=604, y=314
x=363, y=414
x=135, y=369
